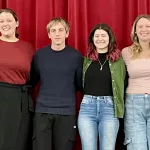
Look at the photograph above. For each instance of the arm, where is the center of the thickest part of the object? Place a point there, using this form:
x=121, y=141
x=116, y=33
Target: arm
x=126, y=56
x=126, y=80
x=34, y=73
x=78, y=74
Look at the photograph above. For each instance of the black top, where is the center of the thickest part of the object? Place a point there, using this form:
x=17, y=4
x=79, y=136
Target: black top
x=60, y=75
x=98, y=82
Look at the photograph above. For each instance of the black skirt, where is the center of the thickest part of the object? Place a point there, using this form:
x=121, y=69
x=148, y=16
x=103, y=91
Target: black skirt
x=16, y=111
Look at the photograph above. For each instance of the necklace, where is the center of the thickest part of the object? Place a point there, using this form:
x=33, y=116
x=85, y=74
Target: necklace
x=101, y=65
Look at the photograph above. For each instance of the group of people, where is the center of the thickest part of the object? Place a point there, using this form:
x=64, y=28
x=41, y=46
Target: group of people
x=107, y=77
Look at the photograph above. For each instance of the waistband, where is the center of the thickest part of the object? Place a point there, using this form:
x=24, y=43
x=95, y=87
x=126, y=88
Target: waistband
x=23, y=87
x=24, y=96
x=145, y=95
x=98, y=97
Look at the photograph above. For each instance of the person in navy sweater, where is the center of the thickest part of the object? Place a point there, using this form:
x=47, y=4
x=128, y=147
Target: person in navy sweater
x=15, y=101
x=58, y=67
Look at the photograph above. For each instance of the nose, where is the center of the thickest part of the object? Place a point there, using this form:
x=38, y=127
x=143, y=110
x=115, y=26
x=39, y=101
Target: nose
x=57, y=32
x=4, y=23
x=144, y=28
x=101, y=38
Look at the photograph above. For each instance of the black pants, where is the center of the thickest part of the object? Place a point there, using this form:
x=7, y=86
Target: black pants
x=15, y=117
x=57, y=132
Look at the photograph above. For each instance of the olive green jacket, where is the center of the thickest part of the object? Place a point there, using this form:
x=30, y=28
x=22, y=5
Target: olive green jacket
x=118, y=72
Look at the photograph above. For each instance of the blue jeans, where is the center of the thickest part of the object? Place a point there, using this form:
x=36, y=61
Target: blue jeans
x=137, y=122
x=96, y=118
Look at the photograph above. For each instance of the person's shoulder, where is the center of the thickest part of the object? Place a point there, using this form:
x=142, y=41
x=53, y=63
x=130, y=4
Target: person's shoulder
x=120, y=60
x=73, y=50
x=27, y=45
x=42, y=50
x=86, y=60
x=126, y=51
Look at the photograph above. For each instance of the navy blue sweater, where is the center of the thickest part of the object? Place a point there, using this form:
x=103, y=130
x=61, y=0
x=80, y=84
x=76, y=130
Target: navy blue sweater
x=60, y=76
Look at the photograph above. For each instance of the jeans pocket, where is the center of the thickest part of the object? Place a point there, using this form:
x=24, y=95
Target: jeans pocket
x=109, y=101
x=86, y=99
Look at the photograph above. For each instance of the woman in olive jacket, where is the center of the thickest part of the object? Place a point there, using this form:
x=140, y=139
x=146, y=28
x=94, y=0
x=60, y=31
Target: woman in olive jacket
x=103, y=82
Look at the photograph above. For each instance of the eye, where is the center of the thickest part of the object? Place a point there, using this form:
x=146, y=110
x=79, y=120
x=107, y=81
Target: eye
x=1, y=21
x=140, y=26
x=103, y=35
x=53, y=30
x=61, y=30
x=96, y=36
x=9, y=20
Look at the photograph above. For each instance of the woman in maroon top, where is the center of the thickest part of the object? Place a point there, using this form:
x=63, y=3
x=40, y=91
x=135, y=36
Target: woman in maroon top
x=15, y=102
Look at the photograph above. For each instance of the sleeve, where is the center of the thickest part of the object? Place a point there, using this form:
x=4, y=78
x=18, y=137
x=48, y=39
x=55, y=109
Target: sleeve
x=126, y=82
x=34, y=72
x=78, y=74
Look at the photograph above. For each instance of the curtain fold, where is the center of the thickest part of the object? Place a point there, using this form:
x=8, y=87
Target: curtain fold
x=82, y=16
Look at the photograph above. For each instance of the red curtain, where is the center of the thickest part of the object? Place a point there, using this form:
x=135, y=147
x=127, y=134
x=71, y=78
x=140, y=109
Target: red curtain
x=82, y=15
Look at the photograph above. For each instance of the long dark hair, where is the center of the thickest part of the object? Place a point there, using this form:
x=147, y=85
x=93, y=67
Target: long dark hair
x=113, y=52
x=7, y=10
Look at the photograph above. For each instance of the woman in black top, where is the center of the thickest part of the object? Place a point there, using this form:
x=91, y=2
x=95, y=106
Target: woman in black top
x=103, y=82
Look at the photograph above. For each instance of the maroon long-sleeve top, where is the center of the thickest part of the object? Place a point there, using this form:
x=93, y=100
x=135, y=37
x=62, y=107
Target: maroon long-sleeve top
x=15, y=61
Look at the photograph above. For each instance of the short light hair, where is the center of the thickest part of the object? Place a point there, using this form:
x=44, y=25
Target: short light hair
x=56, y=21
x=136, y=47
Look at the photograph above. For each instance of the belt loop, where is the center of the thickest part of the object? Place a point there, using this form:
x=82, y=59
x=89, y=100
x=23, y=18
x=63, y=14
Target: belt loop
x=132, y=98
x=146, y=95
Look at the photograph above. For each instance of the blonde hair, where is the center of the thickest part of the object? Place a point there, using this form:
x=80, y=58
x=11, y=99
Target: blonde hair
x=136, y=47
x=56, y=21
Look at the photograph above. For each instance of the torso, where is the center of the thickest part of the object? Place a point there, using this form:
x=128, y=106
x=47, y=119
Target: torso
x=15, y=60
x=139, y=73
x=98, y=82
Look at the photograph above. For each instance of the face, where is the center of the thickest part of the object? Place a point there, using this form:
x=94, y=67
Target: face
x=101, y=39
x=8, y=24
x=143, y=29
x=58, y=34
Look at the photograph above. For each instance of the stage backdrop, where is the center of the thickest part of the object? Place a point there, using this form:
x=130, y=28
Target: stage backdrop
x=82, y=15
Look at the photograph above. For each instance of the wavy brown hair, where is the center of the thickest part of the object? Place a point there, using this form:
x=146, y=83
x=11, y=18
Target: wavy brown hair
x=7, y=10
x=136, y=47
x=113, y=52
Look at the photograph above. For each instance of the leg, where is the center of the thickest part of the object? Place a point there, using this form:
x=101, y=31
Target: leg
x=10, y=117
x=148, y=120
x=88, y=132
x=135, y=124
x=108, y=126
x=88, y=124
x=64, y=132
x=24, y=137
x=42, y=135
x=148, y=132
